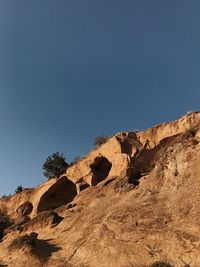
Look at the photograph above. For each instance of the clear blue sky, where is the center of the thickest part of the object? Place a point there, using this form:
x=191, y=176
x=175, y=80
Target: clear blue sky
x=72, y=69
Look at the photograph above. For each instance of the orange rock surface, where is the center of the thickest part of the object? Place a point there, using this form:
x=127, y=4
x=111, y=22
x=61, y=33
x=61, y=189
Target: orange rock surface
x=130, y=202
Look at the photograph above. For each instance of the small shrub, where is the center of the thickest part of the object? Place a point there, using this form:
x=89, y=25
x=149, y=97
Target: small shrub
x=161, y=264
x=19, y=189
x=41, y=249
x=5, y=196
x=100, y=140
x=5, y=222
x=21, y=241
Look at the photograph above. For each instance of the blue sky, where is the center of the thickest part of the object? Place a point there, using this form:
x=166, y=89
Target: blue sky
x=71, y=70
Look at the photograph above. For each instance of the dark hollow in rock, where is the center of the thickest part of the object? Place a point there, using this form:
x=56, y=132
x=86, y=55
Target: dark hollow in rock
x=70, y=206
x=84, y=186
x=60, y=193
x=109, y=181
x=128, y=142
x=100, y=168
x=126, y=147
x=144, y=162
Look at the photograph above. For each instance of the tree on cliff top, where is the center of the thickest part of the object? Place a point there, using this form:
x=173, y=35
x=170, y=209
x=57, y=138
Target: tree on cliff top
x=55, y=165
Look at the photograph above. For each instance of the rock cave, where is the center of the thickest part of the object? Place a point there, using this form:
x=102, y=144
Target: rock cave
x=100, y=168
x=60, y=193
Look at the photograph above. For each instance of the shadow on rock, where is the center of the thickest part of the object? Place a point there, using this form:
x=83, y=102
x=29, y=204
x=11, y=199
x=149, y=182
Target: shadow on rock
x=43, y=249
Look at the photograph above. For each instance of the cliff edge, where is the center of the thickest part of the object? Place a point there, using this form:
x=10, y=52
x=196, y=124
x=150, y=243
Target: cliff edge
x=132, y=201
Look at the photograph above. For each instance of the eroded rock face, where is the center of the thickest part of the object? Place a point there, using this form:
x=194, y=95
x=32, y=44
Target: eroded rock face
x=47, y=196
x=122, y=149
x=135, y=201
x=108, y=160
x=61, y=192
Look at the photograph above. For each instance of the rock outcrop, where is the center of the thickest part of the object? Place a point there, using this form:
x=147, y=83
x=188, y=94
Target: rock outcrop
x=130, y=202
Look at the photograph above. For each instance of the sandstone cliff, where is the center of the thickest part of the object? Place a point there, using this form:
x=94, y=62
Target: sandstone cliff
x=130, y=202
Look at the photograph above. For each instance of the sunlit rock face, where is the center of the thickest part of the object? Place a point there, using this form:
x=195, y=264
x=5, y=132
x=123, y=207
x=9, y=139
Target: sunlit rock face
x=130, y=202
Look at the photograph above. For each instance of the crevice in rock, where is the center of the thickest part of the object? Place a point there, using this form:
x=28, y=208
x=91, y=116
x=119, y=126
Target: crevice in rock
x=140, y=166
x=100, y=168
x=129, y=143
x=60, y=193
x=81, y=184
x=144, y=162
x=126, y=147
x=84, y=186
x=109, y=181
x=79, y=246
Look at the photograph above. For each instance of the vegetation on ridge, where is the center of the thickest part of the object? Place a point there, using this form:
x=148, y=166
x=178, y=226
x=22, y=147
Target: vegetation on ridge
x=100, y=140
x=55, y=165
x=19, y=189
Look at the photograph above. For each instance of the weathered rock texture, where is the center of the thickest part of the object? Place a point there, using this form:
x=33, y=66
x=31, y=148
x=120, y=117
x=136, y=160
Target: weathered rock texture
x=130, y=202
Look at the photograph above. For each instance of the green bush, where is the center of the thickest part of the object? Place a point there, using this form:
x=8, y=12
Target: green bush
x=23, y=240
x=55, y=165
x=19, y=189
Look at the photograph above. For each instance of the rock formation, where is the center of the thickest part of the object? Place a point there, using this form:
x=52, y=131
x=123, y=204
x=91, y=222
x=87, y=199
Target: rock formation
x=130, y=202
